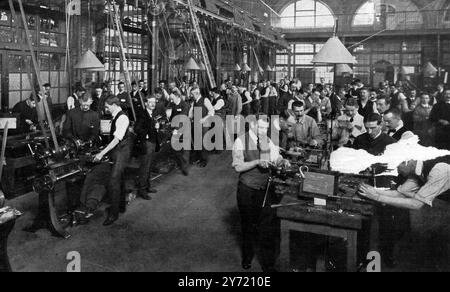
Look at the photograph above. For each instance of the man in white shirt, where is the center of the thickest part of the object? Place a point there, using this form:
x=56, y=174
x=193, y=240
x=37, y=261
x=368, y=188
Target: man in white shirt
x=252, y=155
x=395, y=125
x=350, y=125
x=203, y=107
x=120, y=150
x=73, y=101
x=162, y=85
x=426, y=180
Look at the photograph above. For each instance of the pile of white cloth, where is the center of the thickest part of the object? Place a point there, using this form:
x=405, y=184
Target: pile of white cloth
x=8, y=214
x=350, y=161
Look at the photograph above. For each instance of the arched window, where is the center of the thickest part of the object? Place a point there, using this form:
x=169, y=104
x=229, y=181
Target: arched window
x=307, y=14
x=392, y=15
x=447, y=14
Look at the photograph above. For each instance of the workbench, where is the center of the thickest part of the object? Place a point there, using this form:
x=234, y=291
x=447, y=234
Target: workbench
x=339, y=219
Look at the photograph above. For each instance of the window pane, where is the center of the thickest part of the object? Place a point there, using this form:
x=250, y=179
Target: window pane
x=45, y=77
x=306, y=5
x=304, y=48
x=14, y=81
x=365, y=15
x=303, y=59
x=14, y=98
x=289, y=11
x=54, y=95
x=25, y=82
x=308, y=14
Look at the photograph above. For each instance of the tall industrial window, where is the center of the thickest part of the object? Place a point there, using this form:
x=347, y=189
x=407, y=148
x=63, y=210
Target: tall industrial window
x=392, y=14
x=307, y=14
x=136, y=47
x=301, y=66
x=48, y=35
x=447, y=15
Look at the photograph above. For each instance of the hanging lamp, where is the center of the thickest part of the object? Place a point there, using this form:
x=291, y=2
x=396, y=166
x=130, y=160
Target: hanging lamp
x=403, y=71
x=90, y=62
x=237, y=68
x=202, y=66
x=429, y=70
x=191, y=65
x=342, y=69
x=334, y=52
x=246, y=68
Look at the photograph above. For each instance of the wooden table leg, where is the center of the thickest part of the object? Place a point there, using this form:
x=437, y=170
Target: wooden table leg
x=284, y=260
x=5, y=230
x=352, y=250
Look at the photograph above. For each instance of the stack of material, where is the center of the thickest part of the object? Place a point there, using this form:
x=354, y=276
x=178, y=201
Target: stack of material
x=350, y=161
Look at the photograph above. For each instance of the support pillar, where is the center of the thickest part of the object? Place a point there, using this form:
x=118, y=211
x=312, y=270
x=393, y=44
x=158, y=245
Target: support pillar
x=153, y=54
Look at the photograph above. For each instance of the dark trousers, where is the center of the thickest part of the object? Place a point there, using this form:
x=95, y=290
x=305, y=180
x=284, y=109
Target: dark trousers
x=95, y=186
x=273, y=100
x=394, y=223
x=201, y=155
x=73, y=190
x=145, y=166
x=265, y=105
x=260, y=227
x=178, y=156
x=116, y=185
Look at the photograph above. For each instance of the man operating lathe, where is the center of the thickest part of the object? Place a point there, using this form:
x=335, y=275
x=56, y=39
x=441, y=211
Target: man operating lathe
x=252, y=155
x=426, y=180
x=120, y=150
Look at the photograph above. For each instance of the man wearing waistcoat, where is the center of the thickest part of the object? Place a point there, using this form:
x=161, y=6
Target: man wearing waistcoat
x=207, y=110
x=426, y=180
x=147, y=131
x=395, y=125
x=119, y=149
x=252, y=154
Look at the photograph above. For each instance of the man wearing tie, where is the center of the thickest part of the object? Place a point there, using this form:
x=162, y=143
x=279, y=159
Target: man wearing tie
x=252, y=154
x=120, y=150
x=304, y=128
x=395, y=125
x=147, y=131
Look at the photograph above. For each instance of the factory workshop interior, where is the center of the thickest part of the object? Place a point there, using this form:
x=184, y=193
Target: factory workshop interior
x=232, y=136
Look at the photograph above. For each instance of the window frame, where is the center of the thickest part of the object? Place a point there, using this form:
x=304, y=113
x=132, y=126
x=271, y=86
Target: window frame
x=297, y=17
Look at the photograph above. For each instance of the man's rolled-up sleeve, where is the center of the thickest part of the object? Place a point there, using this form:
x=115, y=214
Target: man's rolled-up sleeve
x=238, y=153
x=122, y=125
x=409, y=188
x=437, y=184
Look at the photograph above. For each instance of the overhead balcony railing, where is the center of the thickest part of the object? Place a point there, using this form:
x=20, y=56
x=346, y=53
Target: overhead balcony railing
x=351, y=23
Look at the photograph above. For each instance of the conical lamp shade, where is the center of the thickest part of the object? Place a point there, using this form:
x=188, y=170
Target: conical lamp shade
x=90, y=62
x=191, y=65
x=269, y=69
x=246, y=68
x=343, y=69
x=429, y=70
x=334, y=52
x=237, y=68
x=403, y=71
x=202, y=66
